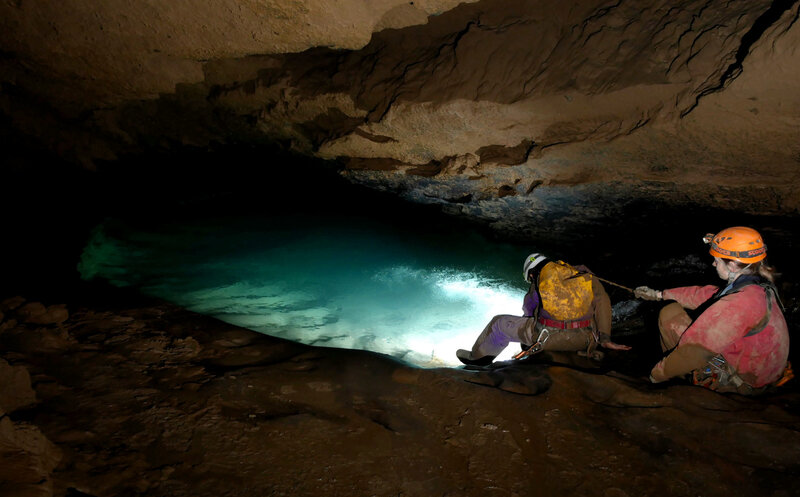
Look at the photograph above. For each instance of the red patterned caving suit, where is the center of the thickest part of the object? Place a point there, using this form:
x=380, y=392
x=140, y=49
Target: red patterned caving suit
x=758, y=359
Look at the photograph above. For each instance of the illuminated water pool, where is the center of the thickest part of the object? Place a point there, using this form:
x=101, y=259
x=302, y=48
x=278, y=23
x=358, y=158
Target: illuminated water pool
x=332, y=278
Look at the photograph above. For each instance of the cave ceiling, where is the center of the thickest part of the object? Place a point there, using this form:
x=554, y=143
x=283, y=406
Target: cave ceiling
x=523, y=114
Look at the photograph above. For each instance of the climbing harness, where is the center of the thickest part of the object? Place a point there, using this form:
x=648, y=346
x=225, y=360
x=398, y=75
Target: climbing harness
x=536, y=347
x=716, y=374
x=565, y=325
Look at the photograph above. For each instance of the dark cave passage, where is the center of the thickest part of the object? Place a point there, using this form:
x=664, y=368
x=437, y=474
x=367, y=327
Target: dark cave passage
x=286, y=247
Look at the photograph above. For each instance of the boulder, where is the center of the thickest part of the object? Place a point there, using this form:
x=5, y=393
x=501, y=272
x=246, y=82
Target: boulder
x=38, y=313
x=15, y=387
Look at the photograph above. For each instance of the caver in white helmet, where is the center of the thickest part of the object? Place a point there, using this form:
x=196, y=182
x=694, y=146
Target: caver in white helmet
x=531, y=262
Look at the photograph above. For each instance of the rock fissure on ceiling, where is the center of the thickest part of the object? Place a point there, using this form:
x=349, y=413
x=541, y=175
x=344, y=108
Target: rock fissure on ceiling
x=591, y=101
x=767, y=20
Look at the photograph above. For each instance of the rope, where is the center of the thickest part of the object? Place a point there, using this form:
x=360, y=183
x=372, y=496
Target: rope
x=579, y=273
x=612, y=283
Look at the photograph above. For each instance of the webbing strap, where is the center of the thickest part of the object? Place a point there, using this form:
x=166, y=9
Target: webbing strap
x=565, y=325
x=738, y=285
x=759, y=327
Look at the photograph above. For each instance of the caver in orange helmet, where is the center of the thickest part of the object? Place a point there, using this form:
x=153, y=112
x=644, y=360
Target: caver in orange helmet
x=738, y=243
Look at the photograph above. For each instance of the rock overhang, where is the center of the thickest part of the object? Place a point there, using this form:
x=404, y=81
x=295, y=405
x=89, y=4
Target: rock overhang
x=514, y=114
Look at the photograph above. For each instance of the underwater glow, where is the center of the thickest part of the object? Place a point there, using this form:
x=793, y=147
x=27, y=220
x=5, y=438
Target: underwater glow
x=435, y=312
x=349, y=283
x=486, y=298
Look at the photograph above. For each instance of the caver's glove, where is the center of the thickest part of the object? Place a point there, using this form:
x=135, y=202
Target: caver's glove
x=647, y=293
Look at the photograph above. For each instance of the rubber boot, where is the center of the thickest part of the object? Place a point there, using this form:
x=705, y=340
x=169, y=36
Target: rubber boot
x=466, y=357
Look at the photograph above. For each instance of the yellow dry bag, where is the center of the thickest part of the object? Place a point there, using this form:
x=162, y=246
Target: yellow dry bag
x=564, y=295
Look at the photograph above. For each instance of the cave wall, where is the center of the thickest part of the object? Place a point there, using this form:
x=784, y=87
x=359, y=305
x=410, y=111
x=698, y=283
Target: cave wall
x=527, y=115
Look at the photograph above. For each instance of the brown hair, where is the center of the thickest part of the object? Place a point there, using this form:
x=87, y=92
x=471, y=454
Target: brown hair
x=761, y=268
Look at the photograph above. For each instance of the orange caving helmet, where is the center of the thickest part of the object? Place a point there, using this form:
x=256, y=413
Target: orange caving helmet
x=738, y=243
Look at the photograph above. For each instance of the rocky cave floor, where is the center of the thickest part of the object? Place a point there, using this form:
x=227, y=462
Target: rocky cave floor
x=106, y=399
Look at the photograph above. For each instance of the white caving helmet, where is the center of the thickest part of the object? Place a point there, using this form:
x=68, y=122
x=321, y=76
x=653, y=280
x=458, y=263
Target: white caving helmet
x=531, y=262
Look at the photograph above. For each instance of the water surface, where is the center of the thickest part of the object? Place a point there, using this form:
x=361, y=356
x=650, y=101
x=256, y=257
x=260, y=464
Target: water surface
x=362, y=275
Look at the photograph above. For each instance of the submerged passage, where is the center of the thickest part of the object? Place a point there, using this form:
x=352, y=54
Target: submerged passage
x=329, y=278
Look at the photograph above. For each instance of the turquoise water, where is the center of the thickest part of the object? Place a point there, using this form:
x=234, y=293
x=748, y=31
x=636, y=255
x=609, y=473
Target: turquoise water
x=364, y=278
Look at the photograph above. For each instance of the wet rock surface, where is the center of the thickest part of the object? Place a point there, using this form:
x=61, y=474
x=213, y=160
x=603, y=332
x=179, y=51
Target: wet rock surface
x=149, y=399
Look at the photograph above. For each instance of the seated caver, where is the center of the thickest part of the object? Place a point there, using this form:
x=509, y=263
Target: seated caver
x=565, y=309
x=733, y=338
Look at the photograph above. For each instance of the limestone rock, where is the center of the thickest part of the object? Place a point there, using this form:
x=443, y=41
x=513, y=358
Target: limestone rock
x=27, y=460
x=511, y=113
x=37, y=313
x=151, y=397
x=11, y=303
x=15, y=387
